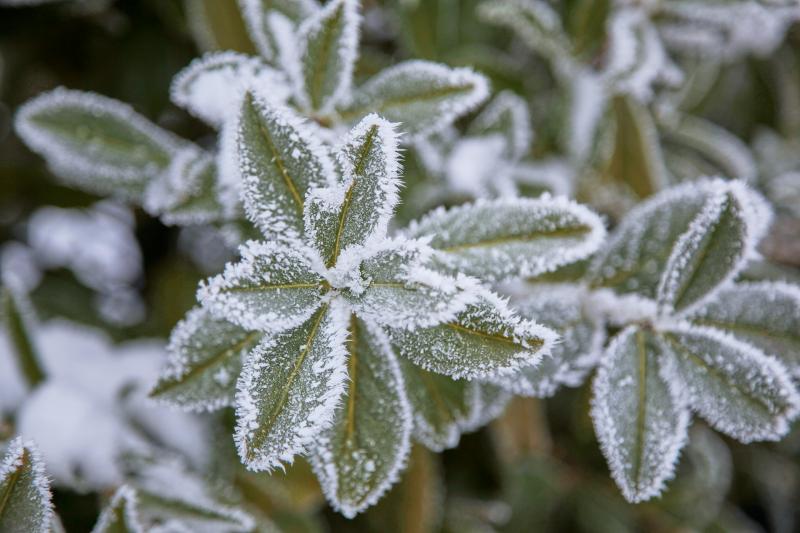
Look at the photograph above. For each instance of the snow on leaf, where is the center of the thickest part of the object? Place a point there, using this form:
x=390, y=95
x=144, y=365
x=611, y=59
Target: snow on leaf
x=205, y=360
x=280, y=160
x=256, y=15
x=738, y=389
x=121, y=515
x=508, y=115
x=185, y=193
x=640, y=420
x=289, y=389
x=94, y=142
x=401, y=292
x=25, y=500
x=511, y=238
x=719, y=241
x=637, y=252
x=329, y=48
x=357, y=212
x=764, y=314
x=424, y=97
x=562, y=308
x=272, y=288
x=485, y=340
x=168, y=492
x=212, y=87
x=361, y=455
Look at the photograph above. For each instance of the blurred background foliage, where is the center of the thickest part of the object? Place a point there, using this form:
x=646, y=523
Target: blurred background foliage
x=538, y=467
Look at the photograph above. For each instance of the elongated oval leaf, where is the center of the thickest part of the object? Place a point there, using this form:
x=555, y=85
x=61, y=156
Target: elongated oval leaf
x=764, y=314
x=256, y=14
x=94, y=142
x=121, y=515
x=205, y=359
x=25, y=505
x=507, y=114
x=487, y=339
x=739, y=390
x=289, y=388
x=280, y=160
x=511, y=238
x=15, y=317
x=640, y=420
x=211, y=87
x=424, y=97
x=361, y=455
x=714, y=248
x=329, y=47
x=272, y=288
x=357, y=212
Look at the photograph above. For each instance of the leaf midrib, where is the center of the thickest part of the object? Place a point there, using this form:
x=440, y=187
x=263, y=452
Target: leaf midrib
x=325, y=46
x=641, y=415
x=494, y=336
x=395, y=101
x=12, y=481
x=517, y=238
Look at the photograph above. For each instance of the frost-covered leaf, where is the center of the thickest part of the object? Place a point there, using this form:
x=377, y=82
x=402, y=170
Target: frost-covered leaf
x=16, y=316
x=400, y=292
x=562, y=308
x=357, y=211
x=361, y=455
x=507, y=114
x=486, y=339
x=640, y=247
x=715, y=247
x=205, y=359
x=272, y=288
x=510, y=238
x=486, y=402
x=640, y=420
x=424, y=97
x=289, y=389
x=25, y=501
x=764, y=314
x=121, y=515
x=280, y=160
x=211, y=87
x=94, y=142
x=738, y=389
x=328, y=48
x=536, y=23
x=186, y=192
x=257, y=13
x=171, y=495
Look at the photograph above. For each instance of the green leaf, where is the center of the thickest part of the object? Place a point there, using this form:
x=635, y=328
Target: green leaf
x=425, y=97
x=280, y=160
x=507, y=114
x=561, y=308
x=205, y=359
x=640, y=421
x=709, y=253
x=289, y=389
x=487, y=339
x=272, y=288
x=764, y=314
x=361, y=455
x=96, y=143
x=257, y=13
x=25, y=505
x=638, y=251
x=329, y=47
x=357, y=211
x=510, y=238
x=121, y=515
x=16, y=316
x=734, y=386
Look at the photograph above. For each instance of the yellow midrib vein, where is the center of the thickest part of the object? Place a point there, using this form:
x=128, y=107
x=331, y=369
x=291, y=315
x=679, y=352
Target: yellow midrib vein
x=12, y=481
x=566, y=232
x=278, y=161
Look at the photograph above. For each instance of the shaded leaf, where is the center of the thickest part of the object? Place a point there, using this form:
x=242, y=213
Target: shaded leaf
x=121, y=515
x=256, y=14
x=16, y=315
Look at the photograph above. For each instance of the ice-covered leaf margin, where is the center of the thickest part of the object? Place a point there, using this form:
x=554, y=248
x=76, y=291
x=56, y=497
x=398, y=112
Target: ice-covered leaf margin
x=25, y=499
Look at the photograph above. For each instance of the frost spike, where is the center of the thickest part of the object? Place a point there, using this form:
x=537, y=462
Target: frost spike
x=289, y=389
x=280, y=160
x=639, y=420
x=25, y=500
x=205, y=357
x=511, y=238
x=121, y=515
x=361, y=455
x=424, y=97
x=740, y=391
x=329, y=47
